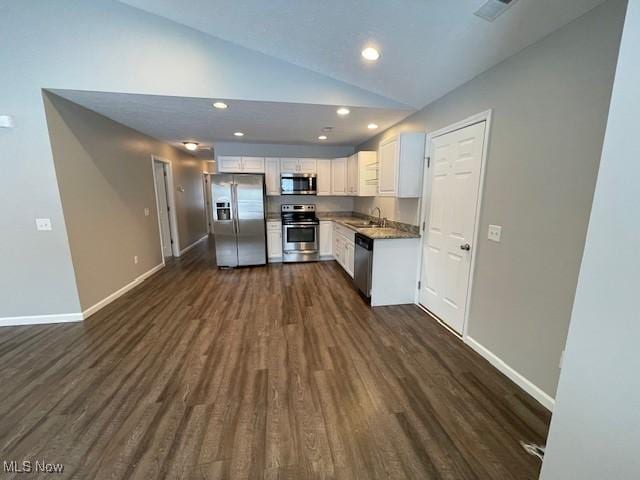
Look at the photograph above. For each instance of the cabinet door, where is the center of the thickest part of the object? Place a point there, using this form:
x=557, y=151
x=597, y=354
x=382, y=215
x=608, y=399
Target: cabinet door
x=349, y=258
x=326, y=238
x=352, y=175
x=272, y=175
x=324, y=177
x=229, y=164
x=253, y=164
x=289, y=165
x=307, y=165
x=339, y=176
x=274, y=240
x=387, y=167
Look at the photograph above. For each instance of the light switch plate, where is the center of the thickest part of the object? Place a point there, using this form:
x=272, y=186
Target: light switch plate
x=495, y=233
x=146, y=212
x=43, y=224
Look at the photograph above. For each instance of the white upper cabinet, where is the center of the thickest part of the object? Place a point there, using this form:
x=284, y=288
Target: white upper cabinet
x=298, y=165
x=253, y=164
x=289, y=165
x=362, y=174
x=323, y=167
x=339, y=176
x=241, y=164
x=307, y=165
x=352, y=175
x=272, y=175
x=229, y=164
x=400, y=166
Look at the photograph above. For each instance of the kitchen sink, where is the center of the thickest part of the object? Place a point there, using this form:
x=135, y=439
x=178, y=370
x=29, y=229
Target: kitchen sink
x=363, y=224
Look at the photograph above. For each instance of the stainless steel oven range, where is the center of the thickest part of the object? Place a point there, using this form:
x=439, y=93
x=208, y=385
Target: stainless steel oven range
x=300, y=227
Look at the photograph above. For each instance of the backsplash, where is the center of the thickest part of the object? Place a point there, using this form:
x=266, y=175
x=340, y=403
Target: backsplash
x=404, y=210
x=323, y=204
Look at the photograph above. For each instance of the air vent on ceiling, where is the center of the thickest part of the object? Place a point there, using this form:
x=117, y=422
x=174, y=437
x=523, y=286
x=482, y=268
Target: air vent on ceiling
x=493, y=9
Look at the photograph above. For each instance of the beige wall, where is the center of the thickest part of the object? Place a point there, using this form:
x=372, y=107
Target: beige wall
x=105, y=178
x=550, y=106
x=595, y=430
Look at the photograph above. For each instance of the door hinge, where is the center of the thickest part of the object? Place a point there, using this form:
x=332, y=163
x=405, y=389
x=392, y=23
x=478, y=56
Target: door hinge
x=424, y=226
x=164, y=173
x=428, y=162
x=172, y=241
x=419, y=284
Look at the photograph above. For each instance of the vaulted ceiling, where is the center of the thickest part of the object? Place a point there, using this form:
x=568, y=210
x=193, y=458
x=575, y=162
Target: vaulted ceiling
x=429, y=47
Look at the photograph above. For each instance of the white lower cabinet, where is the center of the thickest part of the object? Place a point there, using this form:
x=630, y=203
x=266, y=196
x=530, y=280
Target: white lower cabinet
x=349, y=263
x=344, y=247
x=326, y=239
x=274, y=241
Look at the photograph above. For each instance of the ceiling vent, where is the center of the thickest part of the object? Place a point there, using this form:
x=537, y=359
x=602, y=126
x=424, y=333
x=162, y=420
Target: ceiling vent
x=493, y=9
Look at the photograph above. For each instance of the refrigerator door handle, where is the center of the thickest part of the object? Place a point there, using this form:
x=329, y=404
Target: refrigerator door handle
x=234, y=194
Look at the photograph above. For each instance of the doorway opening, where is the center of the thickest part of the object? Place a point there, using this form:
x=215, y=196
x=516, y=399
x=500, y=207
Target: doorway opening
x=163, y=185
x=454, y=180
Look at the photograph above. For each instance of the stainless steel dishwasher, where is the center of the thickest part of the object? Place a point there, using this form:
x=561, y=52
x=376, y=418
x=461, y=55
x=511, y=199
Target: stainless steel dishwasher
x=363, y=267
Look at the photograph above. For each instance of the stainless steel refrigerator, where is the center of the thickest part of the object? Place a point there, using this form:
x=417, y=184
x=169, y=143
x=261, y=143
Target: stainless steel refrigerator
x=239, y=224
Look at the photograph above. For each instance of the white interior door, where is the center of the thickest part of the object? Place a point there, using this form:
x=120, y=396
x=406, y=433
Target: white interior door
x=456, y=160
x=163, y=207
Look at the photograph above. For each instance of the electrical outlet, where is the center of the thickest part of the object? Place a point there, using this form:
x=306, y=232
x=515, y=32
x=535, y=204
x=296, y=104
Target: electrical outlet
x=135, y=259
x=146, y=212
x=6, y=121
x=495, y=233
x=43, y=224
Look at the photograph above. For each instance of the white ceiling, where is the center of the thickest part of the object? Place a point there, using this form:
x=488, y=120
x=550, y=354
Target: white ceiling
x=179, y=119
x=429, y=47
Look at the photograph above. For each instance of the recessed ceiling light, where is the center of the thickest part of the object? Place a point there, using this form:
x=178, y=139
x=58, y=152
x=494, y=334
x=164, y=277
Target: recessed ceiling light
x=371, y=54
x=343, y=111
x=322, y=137
x=190, y=146
x=372, y=126
x=220, y=105
x=239, y=134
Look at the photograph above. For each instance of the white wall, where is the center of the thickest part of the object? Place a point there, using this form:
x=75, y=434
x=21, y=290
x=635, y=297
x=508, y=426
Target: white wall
x=550, y=104
x=595, y=429
x=105, y=46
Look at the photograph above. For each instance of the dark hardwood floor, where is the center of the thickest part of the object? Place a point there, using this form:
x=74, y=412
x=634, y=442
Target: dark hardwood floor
x=268, y=372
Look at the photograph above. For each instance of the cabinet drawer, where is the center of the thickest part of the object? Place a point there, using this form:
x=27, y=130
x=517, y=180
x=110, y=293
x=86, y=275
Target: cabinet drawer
x=346, y=232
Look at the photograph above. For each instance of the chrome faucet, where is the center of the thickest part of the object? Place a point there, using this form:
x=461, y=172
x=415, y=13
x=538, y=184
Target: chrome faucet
x=379, y=223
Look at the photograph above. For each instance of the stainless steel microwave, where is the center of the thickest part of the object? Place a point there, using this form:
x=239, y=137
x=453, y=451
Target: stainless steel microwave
x=298, y=184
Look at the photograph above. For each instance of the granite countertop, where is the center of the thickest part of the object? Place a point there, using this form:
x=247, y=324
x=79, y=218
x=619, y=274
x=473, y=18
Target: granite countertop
x=394, y=230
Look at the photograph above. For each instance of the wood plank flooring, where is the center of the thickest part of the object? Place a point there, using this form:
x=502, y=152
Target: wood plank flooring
x=278, y=372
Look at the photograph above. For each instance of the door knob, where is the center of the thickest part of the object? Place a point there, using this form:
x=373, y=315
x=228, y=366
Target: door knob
x=466, y=247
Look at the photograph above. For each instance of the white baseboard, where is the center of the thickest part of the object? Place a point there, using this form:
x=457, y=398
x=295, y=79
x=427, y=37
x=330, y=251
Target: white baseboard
x=545, y=400
x=40, y=319
x=186, y=249
x=117, y=294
